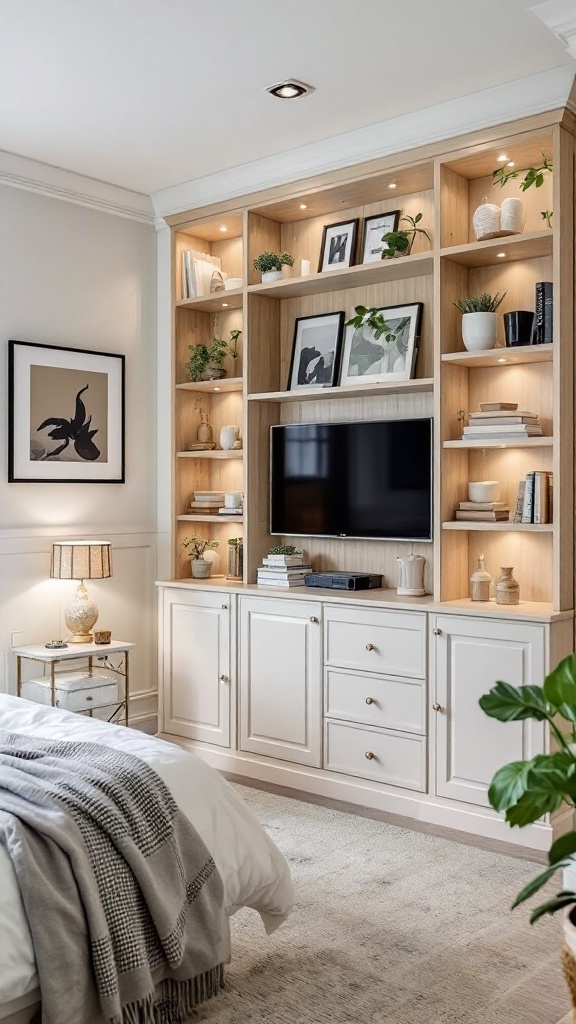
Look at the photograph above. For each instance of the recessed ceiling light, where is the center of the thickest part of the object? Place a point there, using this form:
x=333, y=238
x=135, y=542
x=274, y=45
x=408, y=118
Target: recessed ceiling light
x=216, y=389
x=222, y=228
x=510, y=163
x=501, y=255
x=392, y=185
x=501, y=360
x=291, y=89
x=224, y=305
x=303, y=206
x=502, y=159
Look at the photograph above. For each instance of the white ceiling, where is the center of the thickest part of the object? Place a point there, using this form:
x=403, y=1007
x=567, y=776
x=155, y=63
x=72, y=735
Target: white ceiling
x=146, y=94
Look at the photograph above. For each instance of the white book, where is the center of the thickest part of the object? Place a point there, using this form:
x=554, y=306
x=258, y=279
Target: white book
x=509, y=428
x=502, y=413
x=281, y=583
x=541, y=511
x=283, y=559
x=528, y=506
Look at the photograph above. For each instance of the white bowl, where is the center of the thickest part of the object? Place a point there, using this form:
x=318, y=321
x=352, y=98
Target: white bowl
x=483, y=490
x=232, y=282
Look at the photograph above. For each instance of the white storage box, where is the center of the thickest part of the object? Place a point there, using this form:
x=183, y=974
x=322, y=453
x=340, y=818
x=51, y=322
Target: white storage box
x=74, y=691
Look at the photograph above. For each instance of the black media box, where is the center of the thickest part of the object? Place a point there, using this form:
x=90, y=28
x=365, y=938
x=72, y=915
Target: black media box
x=344, y=580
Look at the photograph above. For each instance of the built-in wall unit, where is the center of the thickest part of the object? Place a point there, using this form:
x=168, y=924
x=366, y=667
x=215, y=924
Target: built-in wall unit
x=369, y=696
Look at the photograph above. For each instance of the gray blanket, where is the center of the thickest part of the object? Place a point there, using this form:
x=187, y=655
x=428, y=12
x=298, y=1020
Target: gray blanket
x=123, y=899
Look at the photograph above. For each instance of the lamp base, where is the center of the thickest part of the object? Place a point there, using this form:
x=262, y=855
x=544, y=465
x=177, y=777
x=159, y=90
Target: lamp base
x=80, y=616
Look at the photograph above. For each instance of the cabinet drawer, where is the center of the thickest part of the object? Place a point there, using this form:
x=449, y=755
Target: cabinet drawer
x=375, y=700
x=398, y=758
x=392, y=643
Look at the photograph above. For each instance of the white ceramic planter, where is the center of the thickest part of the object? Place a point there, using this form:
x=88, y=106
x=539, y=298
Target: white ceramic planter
x=271, y=275
x=486, y=221
x=200, y=568
x=229, y=434
x=479, y=331
x=512, y=217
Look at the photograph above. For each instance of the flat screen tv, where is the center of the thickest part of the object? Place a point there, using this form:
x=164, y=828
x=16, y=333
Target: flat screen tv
x=369, y=479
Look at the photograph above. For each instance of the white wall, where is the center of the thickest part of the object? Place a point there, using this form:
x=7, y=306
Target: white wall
x=77, y=277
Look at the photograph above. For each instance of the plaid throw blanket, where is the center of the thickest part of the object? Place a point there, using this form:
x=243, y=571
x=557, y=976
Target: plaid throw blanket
x=123, y=899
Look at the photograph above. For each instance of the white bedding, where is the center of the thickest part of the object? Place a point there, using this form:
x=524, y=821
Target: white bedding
x=253, y=870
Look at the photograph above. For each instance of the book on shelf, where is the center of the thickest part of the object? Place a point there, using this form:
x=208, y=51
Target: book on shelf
x=230, y=511
x=541, y=496
x=288, y=574
x=481, y=419
x=528, y=506
x=482, y=506
x=198, y=269
x=283, y=560
x=507, y=414
x=522, y=429
x=498, y=515
x=287, y=584
x=542, y=328
x=519, y=502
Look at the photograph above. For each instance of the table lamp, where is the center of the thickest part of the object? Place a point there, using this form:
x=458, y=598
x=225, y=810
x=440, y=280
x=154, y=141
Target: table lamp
x=81, y=560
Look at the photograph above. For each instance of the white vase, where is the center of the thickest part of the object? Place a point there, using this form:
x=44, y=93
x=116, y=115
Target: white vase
x=486, y=221
x=512, y=217
x=213, y=558
x=271, y=275
x=200, y=568
x=479, y=331
x=229, y=434
x=411, y=575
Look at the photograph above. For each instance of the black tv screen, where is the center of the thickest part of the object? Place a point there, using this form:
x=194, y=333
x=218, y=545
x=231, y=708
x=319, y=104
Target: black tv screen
x=364, y=479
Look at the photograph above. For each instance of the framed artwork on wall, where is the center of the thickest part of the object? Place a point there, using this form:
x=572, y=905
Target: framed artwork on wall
x=371, y=357
x=338, y=245
x=65, y=415
x=316, y=351
x=374, y=228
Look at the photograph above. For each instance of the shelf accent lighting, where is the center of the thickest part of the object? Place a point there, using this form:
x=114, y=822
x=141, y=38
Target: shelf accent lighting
x=303, y=206
x=392, y=185
x=500, y=255
x=222, y=228
x=503, y=159
x=291, y=89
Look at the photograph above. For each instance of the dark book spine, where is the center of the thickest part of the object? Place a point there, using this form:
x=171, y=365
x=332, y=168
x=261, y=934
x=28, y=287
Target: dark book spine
x=538, y=324
x=547, y=330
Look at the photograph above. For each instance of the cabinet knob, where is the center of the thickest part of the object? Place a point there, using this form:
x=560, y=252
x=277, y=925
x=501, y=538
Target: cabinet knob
x=437, y=632
x=369, y=700
x=436, y=707
x=369, y=647
x=223, y=678
x=224, y=607
x=313, y=618
x=369, y=755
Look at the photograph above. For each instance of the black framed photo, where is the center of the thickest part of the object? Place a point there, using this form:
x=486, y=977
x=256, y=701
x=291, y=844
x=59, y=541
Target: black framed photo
x=66, y=415
x=316, y=351
x=338, y=245
x=373, y=357
x=374, y=228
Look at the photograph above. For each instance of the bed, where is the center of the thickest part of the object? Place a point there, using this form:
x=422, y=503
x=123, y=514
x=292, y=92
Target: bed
x=253, y=871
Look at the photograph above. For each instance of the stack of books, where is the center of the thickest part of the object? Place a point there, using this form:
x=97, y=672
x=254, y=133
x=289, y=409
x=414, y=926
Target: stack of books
x=534, y=501
x=483, y=511
x=502, y=422
x=283, y=571
x=206, y=503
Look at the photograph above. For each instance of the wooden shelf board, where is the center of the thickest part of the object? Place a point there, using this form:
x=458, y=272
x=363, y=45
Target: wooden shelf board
x=528, y=442
x=216, y=453
x=403, y=267
x=215, y=302
x=517, y=247
x=502, y=356
x=210, y=519
x=353, y=391
x=226, y=384
x=506, y=527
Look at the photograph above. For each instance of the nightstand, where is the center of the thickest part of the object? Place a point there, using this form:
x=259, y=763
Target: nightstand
x=75, y=690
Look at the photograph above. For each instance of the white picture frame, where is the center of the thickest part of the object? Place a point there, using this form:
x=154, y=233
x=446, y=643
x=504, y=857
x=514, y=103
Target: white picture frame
x=367, y=360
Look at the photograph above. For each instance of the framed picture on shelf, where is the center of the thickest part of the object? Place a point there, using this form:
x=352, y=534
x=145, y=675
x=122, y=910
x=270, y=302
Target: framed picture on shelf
x=374, y=228
x=65, y=415
x=316, y=351
x=338, y=245
x=371, y=356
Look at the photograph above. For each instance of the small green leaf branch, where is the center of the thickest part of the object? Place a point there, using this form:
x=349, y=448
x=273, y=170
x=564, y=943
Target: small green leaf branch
x=195, y=546
x=377, y=324
x=532, y=175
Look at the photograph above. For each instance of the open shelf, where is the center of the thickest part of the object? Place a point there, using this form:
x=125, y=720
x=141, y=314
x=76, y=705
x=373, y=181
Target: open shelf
x=506, y=527
x=216, y=453
x=225, y=384
x=210, y=519
x=517, y=247
x=215, y=302
x=527, y=442
x=419, y=265
x=502, y=356
x=404, y=387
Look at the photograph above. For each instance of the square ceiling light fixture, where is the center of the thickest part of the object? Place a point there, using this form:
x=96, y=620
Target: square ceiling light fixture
x=291, y=89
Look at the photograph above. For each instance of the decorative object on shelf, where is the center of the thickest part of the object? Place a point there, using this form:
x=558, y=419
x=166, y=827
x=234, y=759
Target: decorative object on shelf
x=486, y=220
x=381, y=345
x=205, y=432
x=480, y=581
x=102, y=636
x=216, y=282
x=196, y=548
x=81, y=560
x=316, y=349
x=511, y=424
x=304, y=268
x=479, y=320
x=373, y=230
x=283, y=571
x=338, y=245
x=507, y=589
x=411, y=582
x=512, y=216
x=237, y=444
x=483, y=490
x=66, y=415
x=400, y=242
x=229, y=435
x=532, y=176
x=543, y=323
x=270, y=265
x=235, y=558
x=482, y=511
x=518, y=327
x=233, y=499
x=232, y=282
x=197, y=271
x=205, y=362
x=213, y=558
x=286, y=551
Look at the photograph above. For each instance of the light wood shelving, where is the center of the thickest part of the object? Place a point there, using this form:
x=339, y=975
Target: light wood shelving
x=526, y=442
x=209, y=386
x=501, y=355
x=216, y=453
x=221, y=520
x=485, y=527
x=400, y=387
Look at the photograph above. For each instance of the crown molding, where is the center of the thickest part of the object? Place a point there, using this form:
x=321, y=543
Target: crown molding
x=33, y=176
x=560, y=17
x=536, y=94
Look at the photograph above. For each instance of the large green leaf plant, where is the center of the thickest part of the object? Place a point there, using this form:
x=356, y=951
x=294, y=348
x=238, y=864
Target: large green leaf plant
x=525, y=790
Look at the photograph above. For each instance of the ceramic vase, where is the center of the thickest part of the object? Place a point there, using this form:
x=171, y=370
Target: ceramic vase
x=271, y=275
x=512, y=217
x=486, y=221
x=479, y=331
x=229, y=434
x=411, y=575
x=200, y=568
x=507, y=589
x=213, y=558
x=205, y=433
x=480, y=582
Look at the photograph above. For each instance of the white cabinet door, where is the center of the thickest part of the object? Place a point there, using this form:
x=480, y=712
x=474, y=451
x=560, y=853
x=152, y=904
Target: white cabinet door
x=195, y=644
x=281, y=679
x=471, y=655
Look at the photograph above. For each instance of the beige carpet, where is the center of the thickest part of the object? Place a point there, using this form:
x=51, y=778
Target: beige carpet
x=390, y=927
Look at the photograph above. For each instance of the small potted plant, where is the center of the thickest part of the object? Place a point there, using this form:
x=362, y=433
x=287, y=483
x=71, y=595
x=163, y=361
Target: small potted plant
x=270, y=265
x=196, y=548
x=479, y=320
x=205, y=362
x=400, y=242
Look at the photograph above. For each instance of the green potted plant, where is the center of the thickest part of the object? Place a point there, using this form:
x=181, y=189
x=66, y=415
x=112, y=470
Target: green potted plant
x=400, y=242
x=526, y=790
x=479, y=320
x=270, y=265
x=205, y=362
x=196, y=548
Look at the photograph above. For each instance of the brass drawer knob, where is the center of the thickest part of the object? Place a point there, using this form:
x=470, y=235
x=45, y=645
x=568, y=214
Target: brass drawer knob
x=436, y=707
x=369, y=647
x=369, y=755
x=369, y=700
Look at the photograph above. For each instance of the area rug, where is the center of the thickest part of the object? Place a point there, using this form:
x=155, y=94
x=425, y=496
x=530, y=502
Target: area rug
x=390, y=927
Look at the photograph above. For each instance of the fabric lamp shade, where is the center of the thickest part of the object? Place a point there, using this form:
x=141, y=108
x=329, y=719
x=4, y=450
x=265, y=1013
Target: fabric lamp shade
x=81, y=560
